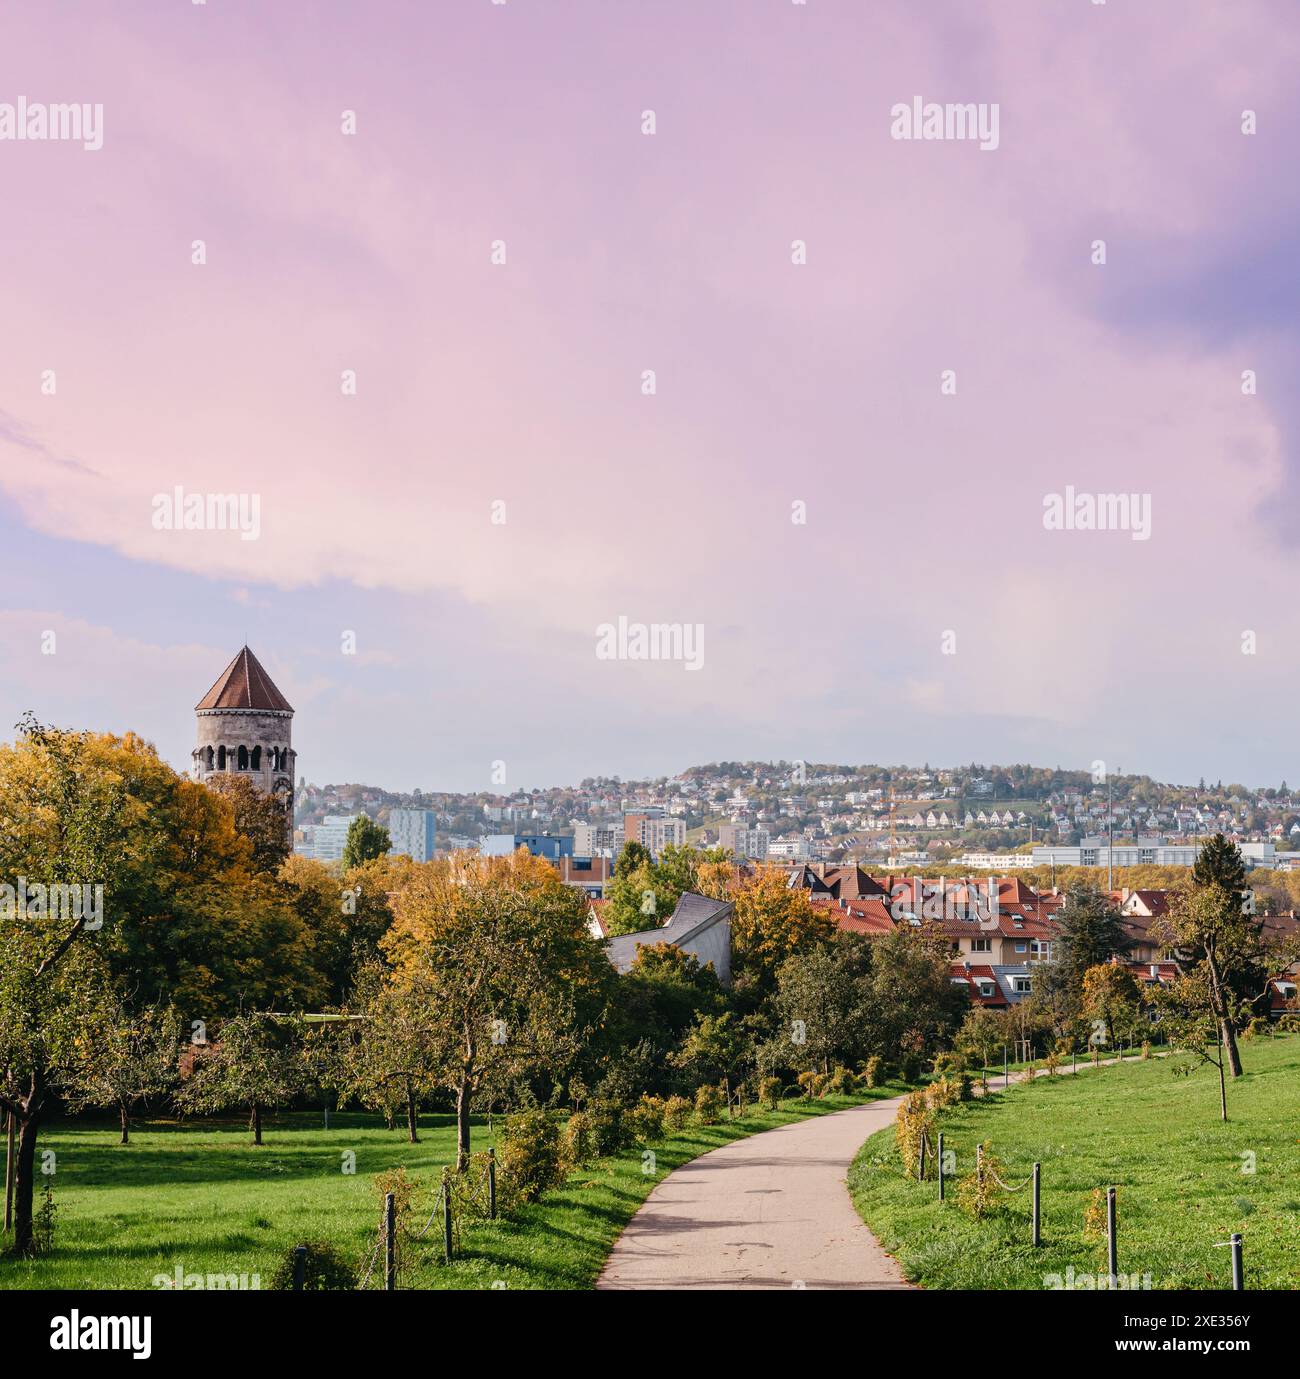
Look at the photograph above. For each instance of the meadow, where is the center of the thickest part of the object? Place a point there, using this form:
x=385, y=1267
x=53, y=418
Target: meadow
x=1185, y=1180
x=197, y=1195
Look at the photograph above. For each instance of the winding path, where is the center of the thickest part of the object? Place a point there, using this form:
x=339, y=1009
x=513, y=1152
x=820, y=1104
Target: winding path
x=768, y=1211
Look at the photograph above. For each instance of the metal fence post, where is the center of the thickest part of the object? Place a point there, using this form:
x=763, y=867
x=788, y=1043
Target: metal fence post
x=1038, y=1216
x=390, y=1242
x=1238, y=1274
x=1112, y=1245
x=299, y=1268
x=941, y=1165
x=492, y=1183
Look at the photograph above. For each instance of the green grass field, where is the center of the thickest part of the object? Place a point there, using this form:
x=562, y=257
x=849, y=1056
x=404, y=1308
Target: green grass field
x=198, y=1195
x=1154, y=1136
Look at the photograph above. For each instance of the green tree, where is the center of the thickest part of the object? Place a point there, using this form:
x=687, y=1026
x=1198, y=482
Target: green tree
x=256, y=1062
x=366, y=840
x=823, y=1005
x=717, y=1049
x=124, y=1057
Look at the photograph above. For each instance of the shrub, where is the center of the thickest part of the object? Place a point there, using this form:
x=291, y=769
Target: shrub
x=469, y=1190
x=1258, y=1027
x=807, y=1081
x=947, y=1063
x=576, y=1139
x=965, y=1092
x=873, y=1070
x=1146, y=1049
x=942, y=1094
x=1052, y=1062
x=404, y=1191
x=709, y=1104
x=909, y=1067
x=529, y=1156
x=914, y=1121
x=769, y=1092
x=608, y=1133
x=978, y=1193
x=645, y=1121
x=677, y=1114
x=842, y=1082
x=1289, y=1024
x=325, y=1270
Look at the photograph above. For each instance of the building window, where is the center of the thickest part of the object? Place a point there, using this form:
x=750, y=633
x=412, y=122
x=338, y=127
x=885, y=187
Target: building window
x=981, y=945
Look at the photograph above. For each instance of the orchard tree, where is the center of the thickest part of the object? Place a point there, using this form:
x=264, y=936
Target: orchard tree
x=124, y=1058
x=255, y=1063
x=716, y=1049
x=498, y=952
x=1091, y=932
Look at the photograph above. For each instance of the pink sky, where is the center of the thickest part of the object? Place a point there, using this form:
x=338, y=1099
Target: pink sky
x=775, y=383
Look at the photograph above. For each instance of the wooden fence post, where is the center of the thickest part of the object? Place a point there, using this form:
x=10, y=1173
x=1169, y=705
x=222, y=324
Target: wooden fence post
x=1112, y=1245
x=1238, y=1273
x=941, y=1165
x=1038, y=1217
x=492, y=1183
x=446, y=1216
x=390, y=1242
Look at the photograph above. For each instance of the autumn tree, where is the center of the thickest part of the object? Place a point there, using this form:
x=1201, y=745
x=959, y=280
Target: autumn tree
x=770, y=923
x=61, y=830
x=260, y=819
x=498, y=950
x=1112, y=1001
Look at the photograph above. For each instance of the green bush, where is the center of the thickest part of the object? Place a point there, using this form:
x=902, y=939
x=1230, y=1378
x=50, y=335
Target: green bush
x=677, y=1114
x=873, y=1070
x=325, y=1270
x=808, y=1081
x=608, y=1133
x=769, y=1092
x=709, y=1105
x=529, y=1155
x=576, y=1139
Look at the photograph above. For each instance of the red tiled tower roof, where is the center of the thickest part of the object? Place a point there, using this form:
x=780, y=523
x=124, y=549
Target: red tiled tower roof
x=244, y=685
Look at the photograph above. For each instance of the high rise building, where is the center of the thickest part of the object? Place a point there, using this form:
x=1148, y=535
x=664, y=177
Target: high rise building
x=413, y=832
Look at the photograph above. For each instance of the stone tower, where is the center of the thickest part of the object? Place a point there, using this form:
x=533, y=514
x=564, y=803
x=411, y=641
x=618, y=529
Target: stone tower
x=245, y=726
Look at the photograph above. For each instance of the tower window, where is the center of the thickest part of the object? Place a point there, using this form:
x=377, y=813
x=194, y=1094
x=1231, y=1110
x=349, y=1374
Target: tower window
x=257, y=758
x=243, y=758
x=221, y=758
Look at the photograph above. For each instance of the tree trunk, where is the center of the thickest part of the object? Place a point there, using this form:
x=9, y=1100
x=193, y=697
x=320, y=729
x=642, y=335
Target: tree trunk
x=25, y=1183
x=1223, y=1091
x=463, y=1095
x=1228, y=1036
x=126, y=1125
x=411, y=1115
x=255, y=1123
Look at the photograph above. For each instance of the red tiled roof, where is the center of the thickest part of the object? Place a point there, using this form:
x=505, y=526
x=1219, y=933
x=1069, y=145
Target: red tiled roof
x=244, y=685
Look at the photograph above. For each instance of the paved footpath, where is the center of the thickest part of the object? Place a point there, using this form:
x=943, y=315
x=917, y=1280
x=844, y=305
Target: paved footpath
x=768, y=1211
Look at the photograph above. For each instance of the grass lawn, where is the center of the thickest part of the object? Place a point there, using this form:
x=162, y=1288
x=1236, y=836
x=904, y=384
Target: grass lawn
x=199, y=1195
x=1154, y=1136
